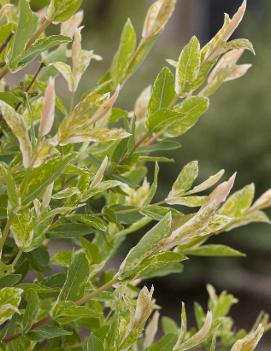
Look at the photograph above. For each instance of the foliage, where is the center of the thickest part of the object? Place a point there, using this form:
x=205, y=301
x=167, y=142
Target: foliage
x=79, y=173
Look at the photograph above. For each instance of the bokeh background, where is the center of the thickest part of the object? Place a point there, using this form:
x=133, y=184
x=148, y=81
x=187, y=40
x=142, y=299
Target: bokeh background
x=235, y=135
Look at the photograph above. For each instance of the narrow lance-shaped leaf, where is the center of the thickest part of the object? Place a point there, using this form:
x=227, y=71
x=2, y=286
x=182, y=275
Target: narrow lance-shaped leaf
x=264, y=201
x=22, y=228
x=16, y=124
x=213, y=250
x=69, y=27
x=100, y=173
x=211, y=181
x=32, y=309
x=27, y=25
x=157, y=17
x=188, y=67
x=151, y=329
x=250, y=341
x=77, y=276
x=125, y=51
x=39, y=178
x=13, y=196
x=48, y=113
x=10, y=299
x=163, y=92
x=148, y=245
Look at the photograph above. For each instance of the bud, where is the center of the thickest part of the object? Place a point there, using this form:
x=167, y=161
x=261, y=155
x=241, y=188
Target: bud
x=144, y=306
x=48, y=113
x=250, y=341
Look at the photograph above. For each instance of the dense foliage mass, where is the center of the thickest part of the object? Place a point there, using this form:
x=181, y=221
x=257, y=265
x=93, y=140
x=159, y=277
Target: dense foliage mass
x=79, y=173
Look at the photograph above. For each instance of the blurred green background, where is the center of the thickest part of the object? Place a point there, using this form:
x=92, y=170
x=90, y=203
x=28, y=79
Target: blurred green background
x=235, y=135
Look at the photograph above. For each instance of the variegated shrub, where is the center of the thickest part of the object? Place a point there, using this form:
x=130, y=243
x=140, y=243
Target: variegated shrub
x=78, y=174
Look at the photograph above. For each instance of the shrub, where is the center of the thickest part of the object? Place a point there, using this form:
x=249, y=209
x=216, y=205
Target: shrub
x=79, y=173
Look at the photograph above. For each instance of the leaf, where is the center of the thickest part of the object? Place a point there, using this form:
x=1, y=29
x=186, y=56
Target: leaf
x=93, y=343
x=211, y=50
x=169, y=326
x=76, y=279
x=157, y=17
x=22, y=228
x=213, y=250
x=48, y=331
x=188, y=201
x=220, y=305
x=39, y=178
x=10, y=299
x=43, y=45
x=48, y=111
x=16, y=124
x=250, y=341
x=10, y=280
x=66, y=71
x=99, y=135
x=151, y=329
x=239, y=202
x=13, y=196
x=211, y=181
x=164, y=145
x=125, y=51
x=148, y=245
x=163, y=92
x=97, y=179
x=27, y=25
x=67, y=312
x=160, y=265
x=199, y=337
x=62, y=10
x=178, y=121
x=188, y=67
x=32, y=309
x=185, y=179
x=153, y=188
x=263, y=202
x=166, y=343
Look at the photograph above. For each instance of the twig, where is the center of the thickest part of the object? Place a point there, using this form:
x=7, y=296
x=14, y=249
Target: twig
x=5, y=43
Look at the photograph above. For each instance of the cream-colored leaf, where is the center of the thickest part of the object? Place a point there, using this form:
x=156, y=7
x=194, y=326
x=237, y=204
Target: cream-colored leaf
x=263, y=202
x=211, y=181
x=5, y=9
x=16, y=124
x=69, y=27
x=65, y=70
x=151, y=330
x=142, y=103
x=48, y=113
x=144, y=307
x=157, y=17
x=238, y=71
x=47, y=196
x=250, y=341
x=100, y=173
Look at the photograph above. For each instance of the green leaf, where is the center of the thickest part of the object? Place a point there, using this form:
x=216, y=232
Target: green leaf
x=39, y=178
x=76, y=279
x=189, y=113
x=213, y=250
x=185, y=180
x=16, y=124
x=166, y=343
x=147, y=246
x=42, y=45
x=188, y=201
x=12, y=190
x=48, y=331
x=10, y=280
x=10, y=299
x=125, y=51
x=27, y=25
x=93, y=343
x=67, y=312
x=31, y=311
x=169, y=326
x=62, y=10
x=62, y=258
x=160, y=265
x=188, y=67
x=22, y=228
x=153, y=187
x=178, y=121
x=164, y=145
x=238, y=203
x=163, y=92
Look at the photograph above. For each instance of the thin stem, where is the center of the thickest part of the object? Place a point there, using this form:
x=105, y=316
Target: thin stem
x=5, y=43
x=30, y=85
x=17, y=257
x=48, y=318
x=5, y=235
